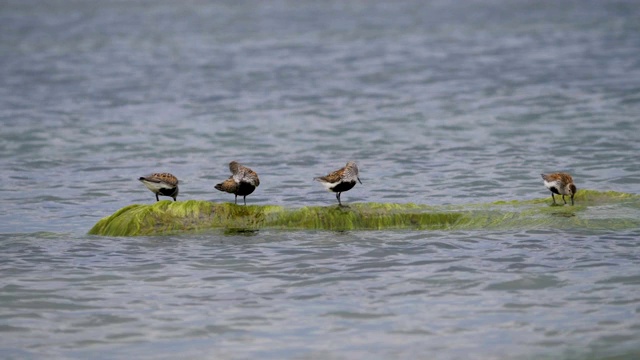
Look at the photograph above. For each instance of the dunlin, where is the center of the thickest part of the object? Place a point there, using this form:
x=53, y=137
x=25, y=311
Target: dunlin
x=241, y=182
x=561, y=184
x=341, y=180
x=163, y=184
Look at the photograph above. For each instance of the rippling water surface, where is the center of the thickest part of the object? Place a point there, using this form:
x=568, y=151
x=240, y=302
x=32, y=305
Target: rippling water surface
x=438, y=102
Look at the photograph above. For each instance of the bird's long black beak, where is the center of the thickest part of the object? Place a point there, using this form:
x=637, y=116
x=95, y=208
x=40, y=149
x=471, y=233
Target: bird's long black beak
x=359, y=180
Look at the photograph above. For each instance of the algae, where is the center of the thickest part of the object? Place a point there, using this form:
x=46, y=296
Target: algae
x=593, y=209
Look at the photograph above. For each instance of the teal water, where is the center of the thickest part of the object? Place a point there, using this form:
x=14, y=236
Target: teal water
x=440, y=103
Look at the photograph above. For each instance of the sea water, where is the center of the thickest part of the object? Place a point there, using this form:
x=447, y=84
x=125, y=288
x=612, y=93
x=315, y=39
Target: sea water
x=440, y=103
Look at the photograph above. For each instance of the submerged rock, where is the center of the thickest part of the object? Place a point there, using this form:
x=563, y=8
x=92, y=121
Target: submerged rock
x=593, y=209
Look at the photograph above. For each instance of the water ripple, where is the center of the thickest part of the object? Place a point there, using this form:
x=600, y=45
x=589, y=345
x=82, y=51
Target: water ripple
x=438, y=102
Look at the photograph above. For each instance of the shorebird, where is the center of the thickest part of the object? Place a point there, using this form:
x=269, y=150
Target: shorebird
x=164, y=184
x=561, y=184
x=241, y=182
x=341, y=180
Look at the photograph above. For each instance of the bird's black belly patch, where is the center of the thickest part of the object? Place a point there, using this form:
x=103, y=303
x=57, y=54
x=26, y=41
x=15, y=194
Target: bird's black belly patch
x=554, y=190
x=167, y=192
x=245, y=189
x=343, y=186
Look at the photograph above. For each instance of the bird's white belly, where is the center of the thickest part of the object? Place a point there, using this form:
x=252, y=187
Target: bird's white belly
x=329, y=186
x=555, y=184
x=155, y=187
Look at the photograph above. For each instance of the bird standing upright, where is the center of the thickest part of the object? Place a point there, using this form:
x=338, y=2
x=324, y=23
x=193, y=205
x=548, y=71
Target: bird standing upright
x=243, y=181
x=341, y=180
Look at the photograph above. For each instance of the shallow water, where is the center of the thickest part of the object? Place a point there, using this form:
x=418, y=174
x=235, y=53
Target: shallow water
x=439, y=103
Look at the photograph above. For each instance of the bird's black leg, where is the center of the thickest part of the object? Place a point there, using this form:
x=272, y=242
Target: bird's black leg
x=554, y=199
x=157, y=199
x=571, y=200
x=338, y=197
x=245, y=200
x=565, y=201
x=236, y=202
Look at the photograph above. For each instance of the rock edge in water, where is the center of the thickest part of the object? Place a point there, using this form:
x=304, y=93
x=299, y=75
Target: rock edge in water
x=168, y=217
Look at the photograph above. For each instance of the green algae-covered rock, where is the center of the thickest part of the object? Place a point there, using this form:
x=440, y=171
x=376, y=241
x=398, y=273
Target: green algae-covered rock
x=169, y=217
x=593, y=209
